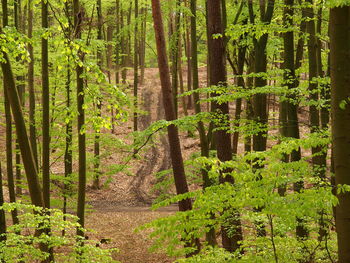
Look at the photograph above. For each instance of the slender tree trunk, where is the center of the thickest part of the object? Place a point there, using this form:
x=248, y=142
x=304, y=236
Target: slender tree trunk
x=181, y=80
x=78, y=18
x=32, y=127
x=9, y=152
x=313, y=89
x=210, y=235
x=136, y=63
x=188, y=51
x=68, y=157
x=117, y=46
x=142, y=45
x=173, y=135
x=123, y=42
x=20, y=87
x=174, y=38
x=97, y=172
x=340, y=85
x=223, y=139
x=240, y=83
x=2, y=212
x=46, y=108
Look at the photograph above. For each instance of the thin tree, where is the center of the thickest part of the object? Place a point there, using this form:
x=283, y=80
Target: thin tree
x=8, y=120
x=45, y=106
x=32, y=127
x=97, y=158
x=78, y=19
x=210, y=236
x=2, y=211
x=136, y=64
x=173, y=134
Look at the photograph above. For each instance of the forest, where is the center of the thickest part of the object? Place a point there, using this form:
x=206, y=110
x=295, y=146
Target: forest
x=186, y=131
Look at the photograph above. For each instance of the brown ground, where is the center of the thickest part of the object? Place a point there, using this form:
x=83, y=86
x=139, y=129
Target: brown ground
x=125, y=205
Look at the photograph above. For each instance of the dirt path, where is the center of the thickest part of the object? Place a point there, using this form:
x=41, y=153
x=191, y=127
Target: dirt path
x=125, y=205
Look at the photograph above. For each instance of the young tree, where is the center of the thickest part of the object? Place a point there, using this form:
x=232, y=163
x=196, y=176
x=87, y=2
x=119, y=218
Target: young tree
x=46, y=106
x=78, y=12
x=8, y=120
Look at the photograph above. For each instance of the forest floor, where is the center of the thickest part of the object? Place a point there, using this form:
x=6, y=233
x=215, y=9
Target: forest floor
x=126, y=203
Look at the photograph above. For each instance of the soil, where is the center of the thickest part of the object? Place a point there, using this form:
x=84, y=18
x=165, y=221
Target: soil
x=125, y=204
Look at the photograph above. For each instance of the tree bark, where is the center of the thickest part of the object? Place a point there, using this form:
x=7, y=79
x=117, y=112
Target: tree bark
x=217, y=71
x=173, y=135
x=340, y=85
x=46, y=107
x=78, y=18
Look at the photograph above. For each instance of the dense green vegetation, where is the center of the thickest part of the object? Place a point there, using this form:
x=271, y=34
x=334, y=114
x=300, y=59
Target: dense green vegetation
x=268, y=179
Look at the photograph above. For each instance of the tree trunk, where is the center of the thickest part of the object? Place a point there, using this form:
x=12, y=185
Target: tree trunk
x=340, y=85
x=173, y=136
x=2, y=212
x=136, y=69
x=32, y=127
x=78, y=18
x=46, y=108
x=217, y=57
x=9, y=152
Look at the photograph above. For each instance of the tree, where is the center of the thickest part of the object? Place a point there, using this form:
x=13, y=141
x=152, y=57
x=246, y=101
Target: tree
x=216, y=49
x=78, y=12
x=170, y=115
x=340, y=76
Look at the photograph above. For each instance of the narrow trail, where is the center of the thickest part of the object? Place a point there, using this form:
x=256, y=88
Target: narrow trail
x=125, y=205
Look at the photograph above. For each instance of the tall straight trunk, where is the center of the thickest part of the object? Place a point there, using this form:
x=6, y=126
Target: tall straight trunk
x=123, y=42
x=129, y=55
x=45, y=116
x=68, y=156
x=174, y=38
x=259, y=101
x=187, y=40
x=136, y=69
x=223, y=139
x=173, y=135
x=97, y=172
x=2, y=212
x=8, y=120
x=142, y=45
x=109, y=50
x=324, y=116
x=20, y=87
x=313, y=89
x=78, y=18
x=181, y=80
x=210, y=235
x=117, y=44
x=46, y=107
x=292, y=107
x=240, y=83
x=32, y=127
x=340, y=85
x=249, y=106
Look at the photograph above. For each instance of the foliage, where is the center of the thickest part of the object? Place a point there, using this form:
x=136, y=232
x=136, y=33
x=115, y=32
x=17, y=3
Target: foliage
x=252, y=189
x=23, y=241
